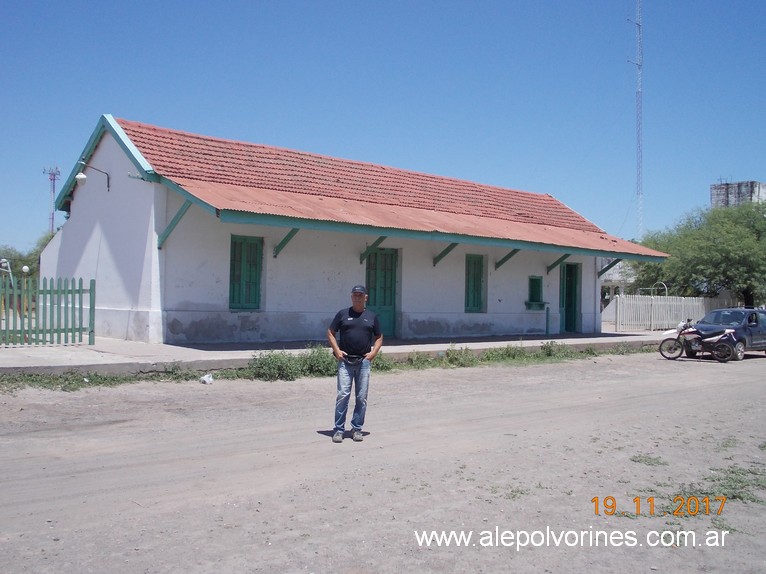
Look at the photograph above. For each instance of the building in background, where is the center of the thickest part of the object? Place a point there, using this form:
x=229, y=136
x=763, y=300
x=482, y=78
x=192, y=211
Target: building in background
x=731, y=194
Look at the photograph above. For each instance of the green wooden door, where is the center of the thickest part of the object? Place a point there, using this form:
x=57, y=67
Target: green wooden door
x=381, y=284
x=569, y=298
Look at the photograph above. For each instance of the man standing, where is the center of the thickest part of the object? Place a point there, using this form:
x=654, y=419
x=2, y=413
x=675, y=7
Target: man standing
x=360, y=341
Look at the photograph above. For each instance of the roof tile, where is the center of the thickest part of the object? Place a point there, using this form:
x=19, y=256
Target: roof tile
x=180, y=155
x=247, y=177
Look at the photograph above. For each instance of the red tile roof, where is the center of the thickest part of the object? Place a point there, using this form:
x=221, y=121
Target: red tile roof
x=254, y=178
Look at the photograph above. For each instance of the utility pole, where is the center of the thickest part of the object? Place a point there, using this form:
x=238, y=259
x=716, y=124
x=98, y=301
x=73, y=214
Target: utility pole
x=639, y=63
x=53, y=175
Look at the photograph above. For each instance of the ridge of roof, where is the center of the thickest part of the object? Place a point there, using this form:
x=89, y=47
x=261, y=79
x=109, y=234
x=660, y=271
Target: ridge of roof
x=180, y=155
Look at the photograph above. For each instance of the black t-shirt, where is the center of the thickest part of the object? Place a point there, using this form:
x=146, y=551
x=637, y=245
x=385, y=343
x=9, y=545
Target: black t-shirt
x=358, y=331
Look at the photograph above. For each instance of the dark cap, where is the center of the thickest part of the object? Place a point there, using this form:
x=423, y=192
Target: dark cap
x=359, y=289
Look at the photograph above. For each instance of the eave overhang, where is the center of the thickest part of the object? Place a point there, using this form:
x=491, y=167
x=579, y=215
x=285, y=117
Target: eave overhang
x=436, y=236
x=235, y=204
x=106, y=124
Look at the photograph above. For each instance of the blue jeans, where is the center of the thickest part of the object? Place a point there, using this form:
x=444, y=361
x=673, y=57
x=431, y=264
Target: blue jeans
x=359, y=375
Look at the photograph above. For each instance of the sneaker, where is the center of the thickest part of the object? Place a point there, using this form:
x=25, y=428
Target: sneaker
x=356, y=435
x=338, y=436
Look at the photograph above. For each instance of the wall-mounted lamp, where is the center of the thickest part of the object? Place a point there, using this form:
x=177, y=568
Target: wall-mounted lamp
x=81, y=177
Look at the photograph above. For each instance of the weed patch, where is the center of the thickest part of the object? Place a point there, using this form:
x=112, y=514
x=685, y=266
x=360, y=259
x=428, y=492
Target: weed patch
x=738, y=483
x=418, y=360
x=76, y=380
x=554, y=350
x=317, y=361
x=727, y=443
x=648, y=460
x=508, y=353
x=383, y=363
x=462, y=357
x=275, y=366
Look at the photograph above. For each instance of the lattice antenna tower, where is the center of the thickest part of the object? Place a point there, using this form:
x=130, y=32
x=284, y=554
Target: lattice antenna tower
x=639, y=63
x=53, y=175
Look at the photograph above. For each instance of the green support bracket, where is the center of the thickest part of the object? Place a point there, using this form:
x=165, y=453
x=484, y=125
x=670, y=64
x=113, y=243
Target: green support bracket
x=608, y=267
x=366, y=253
x=556, y=263
x=281, y=245
x=172, y=225
x=444, y=253
x=506, y=258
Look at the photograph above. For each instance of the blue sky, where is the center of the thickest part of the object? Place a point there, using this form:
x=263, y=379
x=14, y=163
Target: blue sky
x=537, y=95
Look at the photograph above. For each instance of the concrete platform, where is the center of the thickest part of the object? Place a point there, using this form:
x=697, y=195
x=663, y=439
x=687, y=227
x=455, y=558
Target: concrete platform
x=115, y=356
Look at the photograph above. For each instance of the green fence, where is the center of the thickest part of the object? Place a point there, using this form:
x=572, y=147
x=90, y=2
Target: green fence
x=46, y=312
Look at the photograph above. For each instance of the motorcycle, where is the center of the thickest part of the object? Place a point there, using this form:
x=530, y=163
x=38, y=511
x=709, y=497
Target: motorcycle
x=687, y=337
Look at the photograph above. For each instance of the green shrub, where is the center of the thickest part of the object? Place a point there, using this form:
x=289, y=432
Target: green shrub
x=418, y=360
x=462, y=357
x=383, y=363
x=319, y=362
x=276, y=365
x=556, y=350
x=507, y=353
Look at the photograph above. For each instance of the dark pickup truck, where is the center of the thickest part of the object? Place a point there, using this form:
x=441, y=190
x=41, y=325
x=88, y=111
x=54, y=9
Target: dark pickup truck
x=749, y=328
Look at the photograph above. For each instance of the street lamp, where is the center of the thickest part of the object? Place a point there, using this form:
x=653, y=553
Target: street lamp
x=81, y=177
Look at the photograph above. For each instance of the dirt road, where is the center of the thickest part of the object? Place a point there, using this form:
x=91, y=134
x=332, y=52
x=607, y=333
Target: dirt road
x=242, y=476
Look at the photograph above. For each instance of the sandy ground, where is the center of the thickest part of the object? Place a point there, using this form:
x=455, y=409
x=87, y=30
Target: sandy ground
x=242, y=476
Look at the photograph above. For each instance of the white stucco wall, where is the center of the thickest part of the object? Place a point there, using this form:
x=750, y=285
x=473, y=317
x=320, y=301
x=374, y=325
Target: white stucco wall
x=433, y=297
x=302, y=288
x=311, y=279
x=110, y=237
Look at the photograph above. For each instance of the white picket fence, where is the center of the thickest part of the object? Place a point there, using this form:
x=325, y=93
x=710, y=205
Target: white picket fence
x=649, y=313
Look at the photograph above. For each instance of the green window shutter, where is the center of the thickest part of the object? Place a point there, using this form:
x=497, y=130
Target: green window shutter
x=534, y=300
x=474, y=283
x=245, y=267
x=535, y=289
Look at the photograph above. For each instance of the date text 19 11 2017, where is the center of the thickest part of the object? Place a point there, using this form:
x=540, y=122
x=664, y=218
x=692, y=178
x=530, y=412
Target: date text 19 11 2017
x=682, y=506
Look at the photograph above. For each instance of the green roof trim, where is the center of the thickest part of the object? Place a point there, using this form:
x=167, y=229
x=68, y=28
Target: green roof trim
x=229, y=216
x=173, y=223
x=558, y=262
x=285, y=240
x=173, y=186
x=505, y=258
x=608, y=267
x=106, y=123
x=445, y=252
x=375, y=244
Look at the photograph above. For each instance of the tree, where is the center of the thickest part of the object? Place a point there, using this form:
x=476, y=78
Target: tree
x=722, y=248
x=31, y=259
